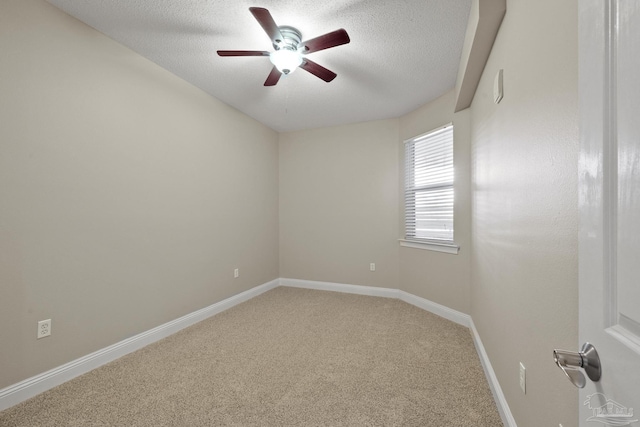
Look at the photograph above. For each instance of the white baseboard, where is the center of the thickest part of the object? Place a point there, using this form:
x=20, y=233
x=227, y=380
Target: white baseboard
x=435, y=308
x=30, y=387
x=498, y=396
x=341, y=287
x=425, y=304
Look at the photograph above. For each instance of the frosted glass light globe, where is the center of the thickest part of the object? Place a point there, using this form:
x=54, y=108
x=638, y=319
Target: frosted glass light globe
x=286, y=60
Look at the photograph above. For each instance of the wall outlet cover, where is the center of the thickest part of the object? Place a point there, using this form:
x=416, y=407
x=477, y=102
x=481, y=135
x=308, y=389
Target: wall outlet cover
x=44, y=328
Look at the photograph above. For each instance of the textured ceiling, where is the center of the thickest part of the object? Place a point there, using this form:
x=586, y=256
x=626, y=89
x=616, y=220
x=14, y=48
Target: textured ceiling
x=403, y=53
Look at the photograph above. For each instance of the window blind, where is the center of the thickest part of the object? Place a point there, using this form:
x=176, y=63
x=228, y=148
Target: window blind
x=429, y=186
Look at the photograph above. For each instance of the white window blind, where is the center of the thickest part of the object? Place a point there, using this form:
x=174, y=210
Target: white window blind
x=429, y=186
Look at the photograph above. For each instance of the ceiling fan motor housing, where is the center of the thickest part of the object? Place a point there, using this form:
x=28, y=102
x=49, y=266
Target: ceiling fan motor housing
x=291, y=38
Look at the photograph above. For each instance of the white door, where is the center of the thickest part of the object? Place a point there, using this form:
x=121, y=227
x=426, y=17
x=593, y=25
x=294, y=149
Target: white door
x=609, y=188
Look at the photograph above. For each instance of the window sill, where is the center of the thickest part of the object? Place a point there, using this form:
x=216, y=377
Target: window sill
x=449, y=248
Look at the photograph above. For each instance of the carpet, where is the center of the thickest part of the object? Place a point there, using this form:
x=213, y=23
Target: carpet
x=289, y=357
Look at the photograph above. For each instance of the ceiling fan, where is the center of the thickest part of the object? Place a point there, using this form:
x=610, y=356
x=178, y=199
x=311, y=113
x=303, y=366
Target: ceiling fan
x=290, y=52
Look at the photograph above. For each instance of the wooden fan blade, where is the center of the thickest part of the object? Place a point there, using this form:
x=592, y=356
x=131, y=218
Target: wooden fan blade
x=332, y=39
x=273, y=77
x=242, y=53
x=318, y=70
x=265, y=20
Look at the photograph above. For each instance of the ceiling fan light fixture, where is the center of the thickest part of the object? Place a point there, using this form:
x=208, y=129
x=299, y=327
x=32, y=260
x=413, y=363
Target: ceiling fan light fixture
x=286, y=60
x=290, y=51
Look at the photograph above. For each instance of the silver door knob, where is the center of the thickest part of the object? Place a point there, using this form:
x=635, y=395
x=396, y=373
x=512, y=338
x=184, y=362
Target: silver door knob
x=571, y=362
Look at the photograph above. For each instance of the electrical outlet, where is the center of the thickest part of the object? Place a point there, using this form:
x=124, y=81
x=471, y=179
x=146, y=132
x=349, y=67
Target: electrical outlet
x=523, y=378
x=236, y=273
x=372, y=266
x=44, y=328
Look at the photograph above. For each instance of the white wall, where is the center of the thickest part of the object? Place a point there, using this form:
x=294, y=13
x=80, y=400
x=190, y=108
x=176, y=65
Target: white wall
x=127, y=195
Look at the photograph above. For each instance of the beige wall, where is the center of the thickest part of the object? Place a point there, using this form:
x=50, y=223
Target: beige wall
x=127, y=196
x=339, y=204
x=516, y=213
x=341, y=207
x=525, y=200
x=441, y=277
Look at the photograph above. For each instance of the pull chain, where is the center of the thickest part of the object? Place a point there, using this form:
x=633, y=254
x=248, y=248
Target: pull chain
x=286, y=100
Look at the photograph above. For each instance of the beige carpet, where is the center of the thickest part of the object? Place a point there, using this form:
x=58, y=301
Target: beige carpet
x=290, y=357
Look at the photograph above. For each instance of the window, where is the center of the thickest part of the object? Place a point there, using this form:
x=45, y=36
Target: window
x=429, y=187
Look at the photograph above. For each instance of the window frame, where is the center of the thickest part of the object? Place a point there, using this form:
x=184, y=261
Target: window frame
x=411, y=241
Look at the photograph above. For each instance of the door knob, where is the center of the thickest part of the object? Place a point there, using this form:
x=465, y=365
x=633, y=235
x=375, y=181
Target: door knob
x=571, y=362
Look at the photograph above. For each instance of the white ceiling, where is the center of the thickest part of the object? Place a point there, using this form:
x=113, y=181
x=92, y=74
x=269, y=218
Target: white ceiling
x=403, y=53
